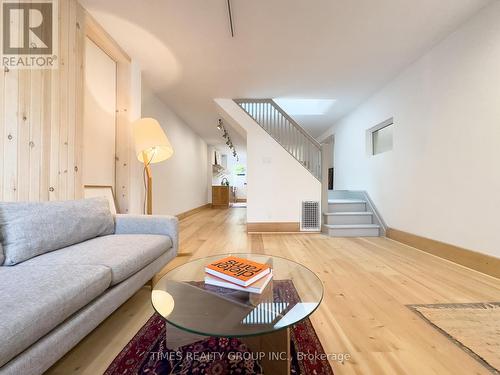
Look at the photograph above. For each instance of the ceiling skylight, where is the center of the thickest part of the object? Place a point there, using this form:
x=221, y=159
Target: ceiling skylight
x=305, y=107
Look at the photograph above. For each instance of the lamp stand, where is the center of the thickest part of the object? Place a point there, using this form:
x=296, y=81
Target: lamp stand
x=149, y=185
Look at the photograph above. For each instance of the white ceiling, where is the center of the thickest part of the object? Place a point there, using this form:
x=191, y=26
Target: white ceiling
x=322, y=49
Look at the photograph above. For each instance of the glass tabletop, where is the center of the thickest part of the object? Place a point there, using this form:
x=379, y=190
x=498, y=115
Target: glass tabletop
x=185, y=301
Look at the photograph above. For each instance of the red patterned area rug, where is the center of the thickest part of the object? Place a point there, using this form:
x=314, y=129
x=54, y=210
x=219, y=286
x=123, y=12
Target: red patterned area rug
x=214, y=355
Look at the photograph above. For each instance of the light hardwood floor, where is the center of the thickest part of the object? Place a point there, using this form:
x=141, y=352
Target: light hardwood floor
x=368, y=283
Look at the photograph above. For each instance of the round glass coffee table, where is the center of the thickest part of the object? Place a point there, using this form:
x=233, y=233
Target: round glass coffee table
x=262, y=321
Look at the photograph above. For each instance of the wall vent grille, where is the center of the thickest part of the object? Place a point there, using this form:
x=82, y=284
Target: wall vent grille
x=310, y=218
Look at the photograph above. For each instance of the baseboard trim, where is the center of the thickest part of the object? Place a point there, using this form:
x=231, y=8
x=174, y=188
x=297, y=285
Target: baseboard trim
x=480, y=262
x=273, y=227
x=186, y=214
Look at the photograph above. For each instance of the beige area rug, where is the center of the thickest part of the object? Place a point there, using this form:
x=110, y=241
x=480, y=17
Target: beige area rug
x=475, y=327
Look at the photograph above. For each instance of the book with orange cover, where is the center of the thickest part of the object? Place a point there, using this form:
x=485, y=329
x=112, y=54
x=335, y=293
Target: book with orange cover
x=257, y=287
x=239, y=271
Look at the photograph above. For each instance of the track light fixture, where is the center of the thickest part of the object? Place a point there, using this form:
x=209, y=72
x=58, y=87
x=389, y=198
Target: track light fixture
x=225, y=135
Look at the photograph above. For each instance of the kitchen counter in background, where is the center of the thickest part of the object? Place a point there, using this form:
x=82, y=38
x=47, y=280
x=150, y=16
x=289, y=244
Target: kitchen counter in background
x=223, y=196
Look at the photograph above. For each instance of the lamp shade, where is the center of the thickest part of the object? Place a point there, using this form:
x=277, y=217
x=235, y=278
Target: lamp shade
x=151, y=141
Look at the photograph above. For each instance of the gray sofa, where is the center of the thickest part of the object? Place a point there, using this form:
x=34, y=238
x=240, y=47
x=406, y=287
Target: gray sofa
x=65, y=267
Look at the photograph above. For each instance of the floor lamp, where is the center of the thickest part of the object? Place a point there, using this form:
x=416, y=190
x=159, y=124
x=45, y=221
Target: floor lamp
x=151, y=146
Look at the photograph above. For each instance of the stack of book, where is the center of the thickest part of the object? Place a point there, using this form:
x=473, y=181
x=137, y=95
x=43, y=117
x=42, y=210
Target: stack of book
x=238, y=274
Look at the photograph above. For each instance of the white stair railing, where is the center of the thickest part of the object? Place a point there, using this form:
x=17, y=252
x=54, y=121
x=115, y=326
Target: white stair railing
x=279, y=125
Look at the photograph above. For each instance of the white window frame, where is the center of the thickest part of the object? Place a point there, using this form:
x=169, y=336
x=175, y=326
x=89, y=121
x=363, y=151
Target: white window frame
x=369, y=136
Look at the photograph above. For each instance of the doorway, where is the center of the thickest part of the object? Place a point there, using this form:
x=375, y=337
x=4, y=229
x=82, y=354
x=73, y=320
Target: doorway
x=99, y=119
x=328, y=169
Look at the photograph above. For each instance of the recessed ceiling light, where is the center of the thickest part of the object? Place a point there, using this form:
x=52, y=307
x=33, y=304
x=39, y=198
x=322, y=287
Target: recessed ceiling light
x=305, y=107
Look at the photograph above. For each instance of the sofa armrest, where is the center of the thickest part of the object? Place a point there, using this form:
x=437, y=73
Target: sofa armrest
x=149, y=224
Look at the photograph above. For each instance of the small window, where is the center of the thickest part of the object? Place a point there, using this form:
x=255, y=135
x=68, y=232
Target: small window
x=381, y=137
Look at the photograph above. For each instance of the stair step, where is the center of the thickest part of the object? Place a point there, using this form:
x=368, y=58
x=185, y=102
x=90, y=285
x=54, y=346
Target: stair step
x=367, y=213
x=352, y=230
x=346, y=205
x=355, y=226
x=339, y=218
x=346, y=201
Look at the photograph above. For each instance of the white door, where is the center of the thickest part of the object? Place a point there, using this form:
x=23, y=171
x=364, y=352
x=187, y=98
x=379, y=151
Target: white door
x=99, y=122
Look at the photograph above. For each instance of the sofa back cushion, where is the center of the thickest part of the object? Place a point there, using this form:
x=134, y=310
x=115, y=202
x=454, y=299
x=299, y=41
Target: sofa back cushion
x=31, y=229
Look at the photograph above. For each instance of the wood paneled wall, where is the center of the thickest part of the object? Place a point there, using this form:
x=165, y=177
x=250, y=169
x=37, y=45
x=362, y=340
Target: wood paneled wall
x=41, y=114
x=41, y=118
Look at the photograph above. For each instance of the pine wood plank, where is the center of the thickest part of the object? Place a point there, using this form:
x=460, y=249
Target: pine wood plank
x=46, y=137
x=80, y=77
x=55, y=107
x=23, y=138
x=64, y=99
x=2, y=128
x=10, y=155
x=72, y=71
x=35, y=135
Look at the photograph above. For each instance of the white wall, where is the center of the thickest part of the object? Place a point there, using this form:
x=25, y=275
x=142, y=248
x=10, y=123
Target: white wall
x=210, y=152
x=277, y=183
x=179, y=183
x=442, y=180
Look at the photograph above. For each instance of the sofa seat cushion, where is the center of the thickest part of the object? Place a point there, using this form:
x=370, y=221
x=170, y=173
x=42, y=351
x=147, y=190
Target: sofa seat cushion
x=123, y=254
x=35, y=300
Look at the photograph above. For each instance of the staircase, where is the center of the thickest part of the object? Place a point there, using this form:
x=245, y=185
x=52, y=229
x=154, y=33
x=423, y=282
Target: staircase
x=290, y=135
x=351, y=214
